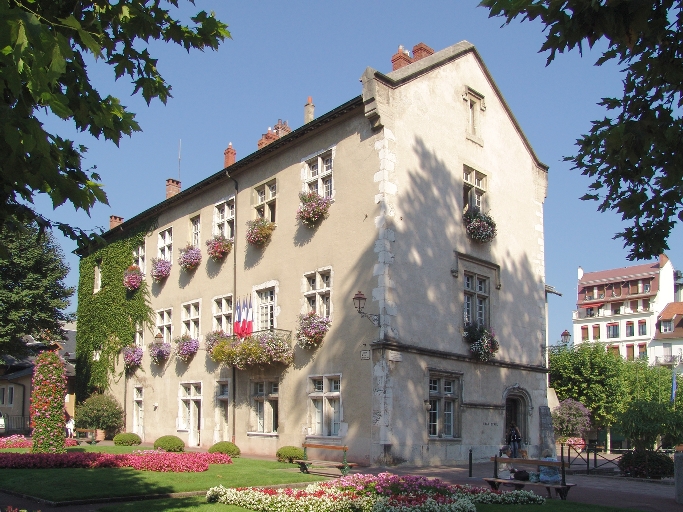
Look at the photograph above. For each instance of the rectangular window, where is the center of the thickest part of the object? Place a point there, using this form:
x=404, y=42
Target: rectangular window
x=326, y=405
x=646, y=304
x=642, y=328
x=667, y=326
x=222, y=314
x=630, y=352
x=165, y=244
x=195, y=223
x=444, y=410
x=266, y=309
x=319, y=175
x=630, y=329
x=224, y=219
x=190, y=314
x=590, y=312
x=265, y=410
x=139, y=336
x=319, y=286
x=2, y=396
x=475, y=105
x=642, y=351
x=189, y=407
x=596, y=332
x=646, y=288
x=612, y=330
x=266, y=197
x=474, y=189
x=139, y=257
x=165, y=324
x=614, y=350
x=476, y=296
x=10, y=395
x=666, y=351
x=97, y=280
x=584, y=333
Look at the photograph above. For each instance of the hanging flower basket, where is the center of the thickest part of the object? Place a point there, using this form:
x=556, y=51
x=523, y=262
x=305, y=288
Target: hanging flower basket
x=218, y=247
x=312, y=330
x=161, y=269
x=314, y=208
x=259, y=231
x=132, y=278
x=132, y=358
x=483, y=342
x=260, y=349
x=480, y=226
x=159, y=352
x=190, y=258
x=213, y=338
x=186, y=347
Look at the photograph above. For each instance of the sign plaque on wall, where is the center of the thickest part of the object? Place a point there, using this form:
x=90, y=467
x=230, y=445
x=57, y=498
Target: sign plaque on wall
x=365, y=355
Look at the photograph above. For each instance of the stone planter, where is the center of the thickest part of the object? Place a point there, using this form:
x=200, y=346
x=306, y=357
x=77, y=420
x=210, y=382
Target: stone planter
x=99, y=435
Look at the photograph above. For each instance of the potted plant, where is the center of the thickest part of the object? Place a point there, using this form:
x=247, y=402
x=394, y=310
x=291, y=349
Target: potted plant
x=101, y=412
x=480, y=226
x=483, y=342
x=161, y=269
x=186, y=347
x=132, y=278
x=190, y=258
x=218, y=247
x=313, y=209
x=259, y=231
x=212, y=338
x=312, y=330
x=159, y=352
x=132, y=358
x=260, y=349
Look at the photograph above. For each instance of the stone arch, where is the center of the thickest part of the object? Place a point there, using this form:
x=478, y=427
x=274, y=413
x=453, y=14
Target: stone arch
x=518, y=408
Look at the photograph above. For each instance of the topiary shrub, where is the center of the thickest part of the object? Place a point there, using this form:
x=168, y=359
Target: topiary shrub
x=646, y=464
x=102, y=412
x=47, y=404
x=225, y=447
x=289, y=453
x=169, y=444
x=127, y=439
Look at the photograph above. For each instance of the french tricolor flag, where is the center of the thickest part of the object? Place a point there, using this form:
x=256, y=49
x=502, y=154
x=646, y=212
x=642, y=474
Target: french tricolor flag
x=250, y=319
x=243, y=316
x=237, y=324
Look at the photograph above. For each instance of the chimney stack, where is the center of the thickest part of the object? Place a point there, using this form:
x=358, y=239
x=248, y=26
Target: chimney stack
x=400, y=59
x=229, y=156
x=309, y=109
x=115, y=221
x=172, y=187
x=420, y=51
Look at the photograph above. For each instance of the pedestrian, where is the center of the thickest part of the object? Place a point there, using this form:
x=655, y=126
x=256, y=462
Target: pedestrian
x=70, y=427
x=514, y=438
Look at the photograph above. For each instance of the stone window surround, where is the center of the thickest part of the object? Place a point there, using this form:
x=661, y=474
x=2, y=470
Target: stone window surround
x=325, y=395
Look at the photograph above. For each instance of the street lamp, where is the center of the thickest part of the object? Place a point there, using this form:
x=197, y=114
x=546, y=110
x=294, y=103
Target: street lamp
x=565, y=337
x=359, y=302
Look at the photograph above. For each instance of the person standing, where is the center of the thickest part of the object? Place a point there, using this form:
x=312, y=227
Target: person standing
x=514, y=438
x=70, y=427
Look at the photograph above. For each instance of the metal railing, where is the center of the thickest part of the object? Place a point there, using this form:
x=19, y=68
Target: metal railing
x=667, y=360
x=17, y=423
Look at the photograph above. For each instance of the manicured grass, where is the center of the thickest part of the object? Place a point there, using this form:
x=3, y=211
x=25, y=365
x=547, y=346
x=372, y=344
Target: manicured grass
x=550, y=506
x=78, y=484
x=197, y=503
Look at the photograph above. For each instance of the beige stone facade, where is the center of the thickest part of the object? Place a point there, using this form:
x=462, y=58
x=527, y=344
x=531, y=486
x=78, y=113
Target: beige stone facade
x=406, y=157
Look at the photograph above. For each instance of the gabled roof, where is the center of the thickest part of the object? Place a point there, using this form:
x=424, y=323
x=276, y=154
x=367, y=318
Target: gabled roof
x=672, y=311
x=620, y=274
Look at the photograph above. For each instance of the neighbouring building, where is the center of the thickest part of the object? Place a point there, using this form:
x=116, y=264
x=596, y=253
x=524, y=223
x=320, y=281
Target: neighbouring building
x=635, y=310
x=402, y=163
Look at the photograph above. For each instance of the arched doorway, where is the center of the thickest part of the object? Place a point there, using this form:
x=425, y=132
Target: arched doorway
x=517, y=409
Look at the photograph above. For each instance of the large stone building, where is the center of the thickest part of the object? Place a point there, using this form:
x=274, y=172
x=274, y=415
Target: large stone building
x=402, y=163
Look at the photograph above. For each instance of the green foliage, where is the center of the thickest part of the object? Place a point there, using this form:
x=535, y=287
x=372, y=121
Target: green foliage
x=45, y=45
x=170, y=444
x=570, y=419
x=107, y=319
x=226, y=447
x=642, y=422
x=593, y=376
x=127, y=439
x=47, y=404
x=646, y=464
x=633, y=154
x=33, y=296
x=100, y=411
x=289, y=453
x=647, y=382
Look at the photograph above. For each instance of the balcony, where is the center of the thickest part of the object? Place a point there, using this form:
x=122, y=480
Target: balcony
x=669, y=360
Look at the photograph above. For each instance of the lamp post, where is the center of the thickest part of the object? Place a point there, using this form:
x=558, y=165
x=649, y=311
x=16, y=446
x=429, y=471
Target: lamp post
x=359, y=302
x=565, y=337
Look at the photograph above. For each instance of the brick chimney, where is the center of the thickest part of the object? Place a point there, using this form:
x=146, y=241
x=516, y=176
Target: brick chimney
x=115, y=221
x=229, y=156
x=172, y=187
x=309, y=108
x=400, y=59
x=281, y=129
x=420, y=51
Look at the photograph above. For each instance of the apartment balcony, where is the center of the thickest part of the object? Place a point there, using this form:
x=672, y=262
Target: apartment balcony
x=670, y=360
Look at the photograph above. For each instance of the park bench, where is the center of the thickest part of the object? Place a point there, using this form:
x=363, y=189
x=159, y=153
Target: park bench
x=561, y=489
x=85, y=435
x=343, y=466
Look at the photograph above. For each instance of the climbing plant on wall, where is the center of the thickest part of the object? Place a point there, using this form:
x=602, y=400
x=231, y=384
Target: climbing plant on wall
x=47, y=403
x=107, y=318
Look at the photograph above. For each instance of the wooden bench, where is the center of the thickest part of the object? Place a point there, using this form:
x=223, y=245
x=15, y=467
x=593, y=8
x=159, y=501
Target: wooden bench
x=342, y=466
x=561, y=489
x=85, y=435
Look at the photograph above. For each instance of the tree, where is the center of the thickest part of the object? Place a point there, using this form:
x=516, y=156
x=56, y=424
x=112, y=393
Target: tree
x=33, y=295
x=633, y=154
x=570, y=419
x=44, y=45
x=47, y=404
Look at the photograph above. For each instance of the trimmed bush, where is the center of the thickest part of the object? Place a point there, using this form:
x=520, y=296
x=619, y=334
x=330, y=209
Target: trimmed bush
x=169, y=444
x=646, y=464
x=127, y=439
x=225, y=447
x=289, y=453
x=102, y=412
x=47, y=404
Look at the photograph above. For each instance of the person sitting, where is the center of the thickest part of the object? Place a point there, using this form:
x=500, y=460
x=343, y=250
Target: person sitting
x=549, y=474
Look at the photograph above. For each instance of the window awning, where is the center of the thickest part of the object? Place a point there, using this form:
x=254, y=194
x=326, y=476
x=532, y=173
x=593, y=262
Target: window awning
x=594, y=305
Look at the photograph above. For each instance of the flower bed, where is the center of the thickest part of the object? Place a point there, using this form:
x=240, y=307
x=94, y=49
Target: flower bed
x=312, y=330
x=260, y=349
x=147, y=460
x=313, y=209
x=483, y=342
x=259, y=231
x=132, y=278
x=218, y=247
x=480, y=226
x=160, y=352
x=377, y=493
x=15, y=441
x=212, y=338
x=161, y=269
x=186, y=347
x=132, y=358
x=190, y=258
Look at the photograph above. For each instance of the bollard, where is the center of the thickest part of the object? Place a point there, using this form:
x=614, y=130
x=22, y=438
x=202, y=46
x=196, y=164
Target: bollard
x=470, y=462
x=595, y=458
x=588, y=461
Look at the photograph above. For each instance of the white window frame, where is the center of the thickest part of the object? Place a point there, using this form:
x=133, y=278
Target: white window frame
x=265, y=308
x=139, y=336
x=138, y=410
x=265, y=200
x=476, y=301
x=222, y=308
x=165, y=244
x=640, y=322
x=443, y=414
x=473, y=188
x=319, y=170
x=223, y=389
x=196, y=230
x=317, y=290
x=475, y=105
x=139, y=257
x=326, y=409
x=164, y=323
x=612, y=331
x=188, y=392
x=264, y=395
x=97, y=279
x=190, y=313
x=224, y=218
x=666, y=326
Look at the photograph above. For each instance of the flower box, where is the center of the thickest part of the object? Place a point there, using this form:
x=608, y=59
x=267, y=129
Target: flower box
x=161, y=269
x=480, y=226
x=213, y=338
x=218, y=247
x=259, y=231
x=314, y=208
x=132, y=358
x=262, y=348
x=312, y=330
x=132, y=278
x=159, y=352
x=190, y=258
x=186, y=347
x=483, y=342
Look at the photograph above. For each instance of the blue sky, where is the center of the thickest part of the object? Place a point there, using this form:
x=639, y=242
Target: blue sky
x=283, y=52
